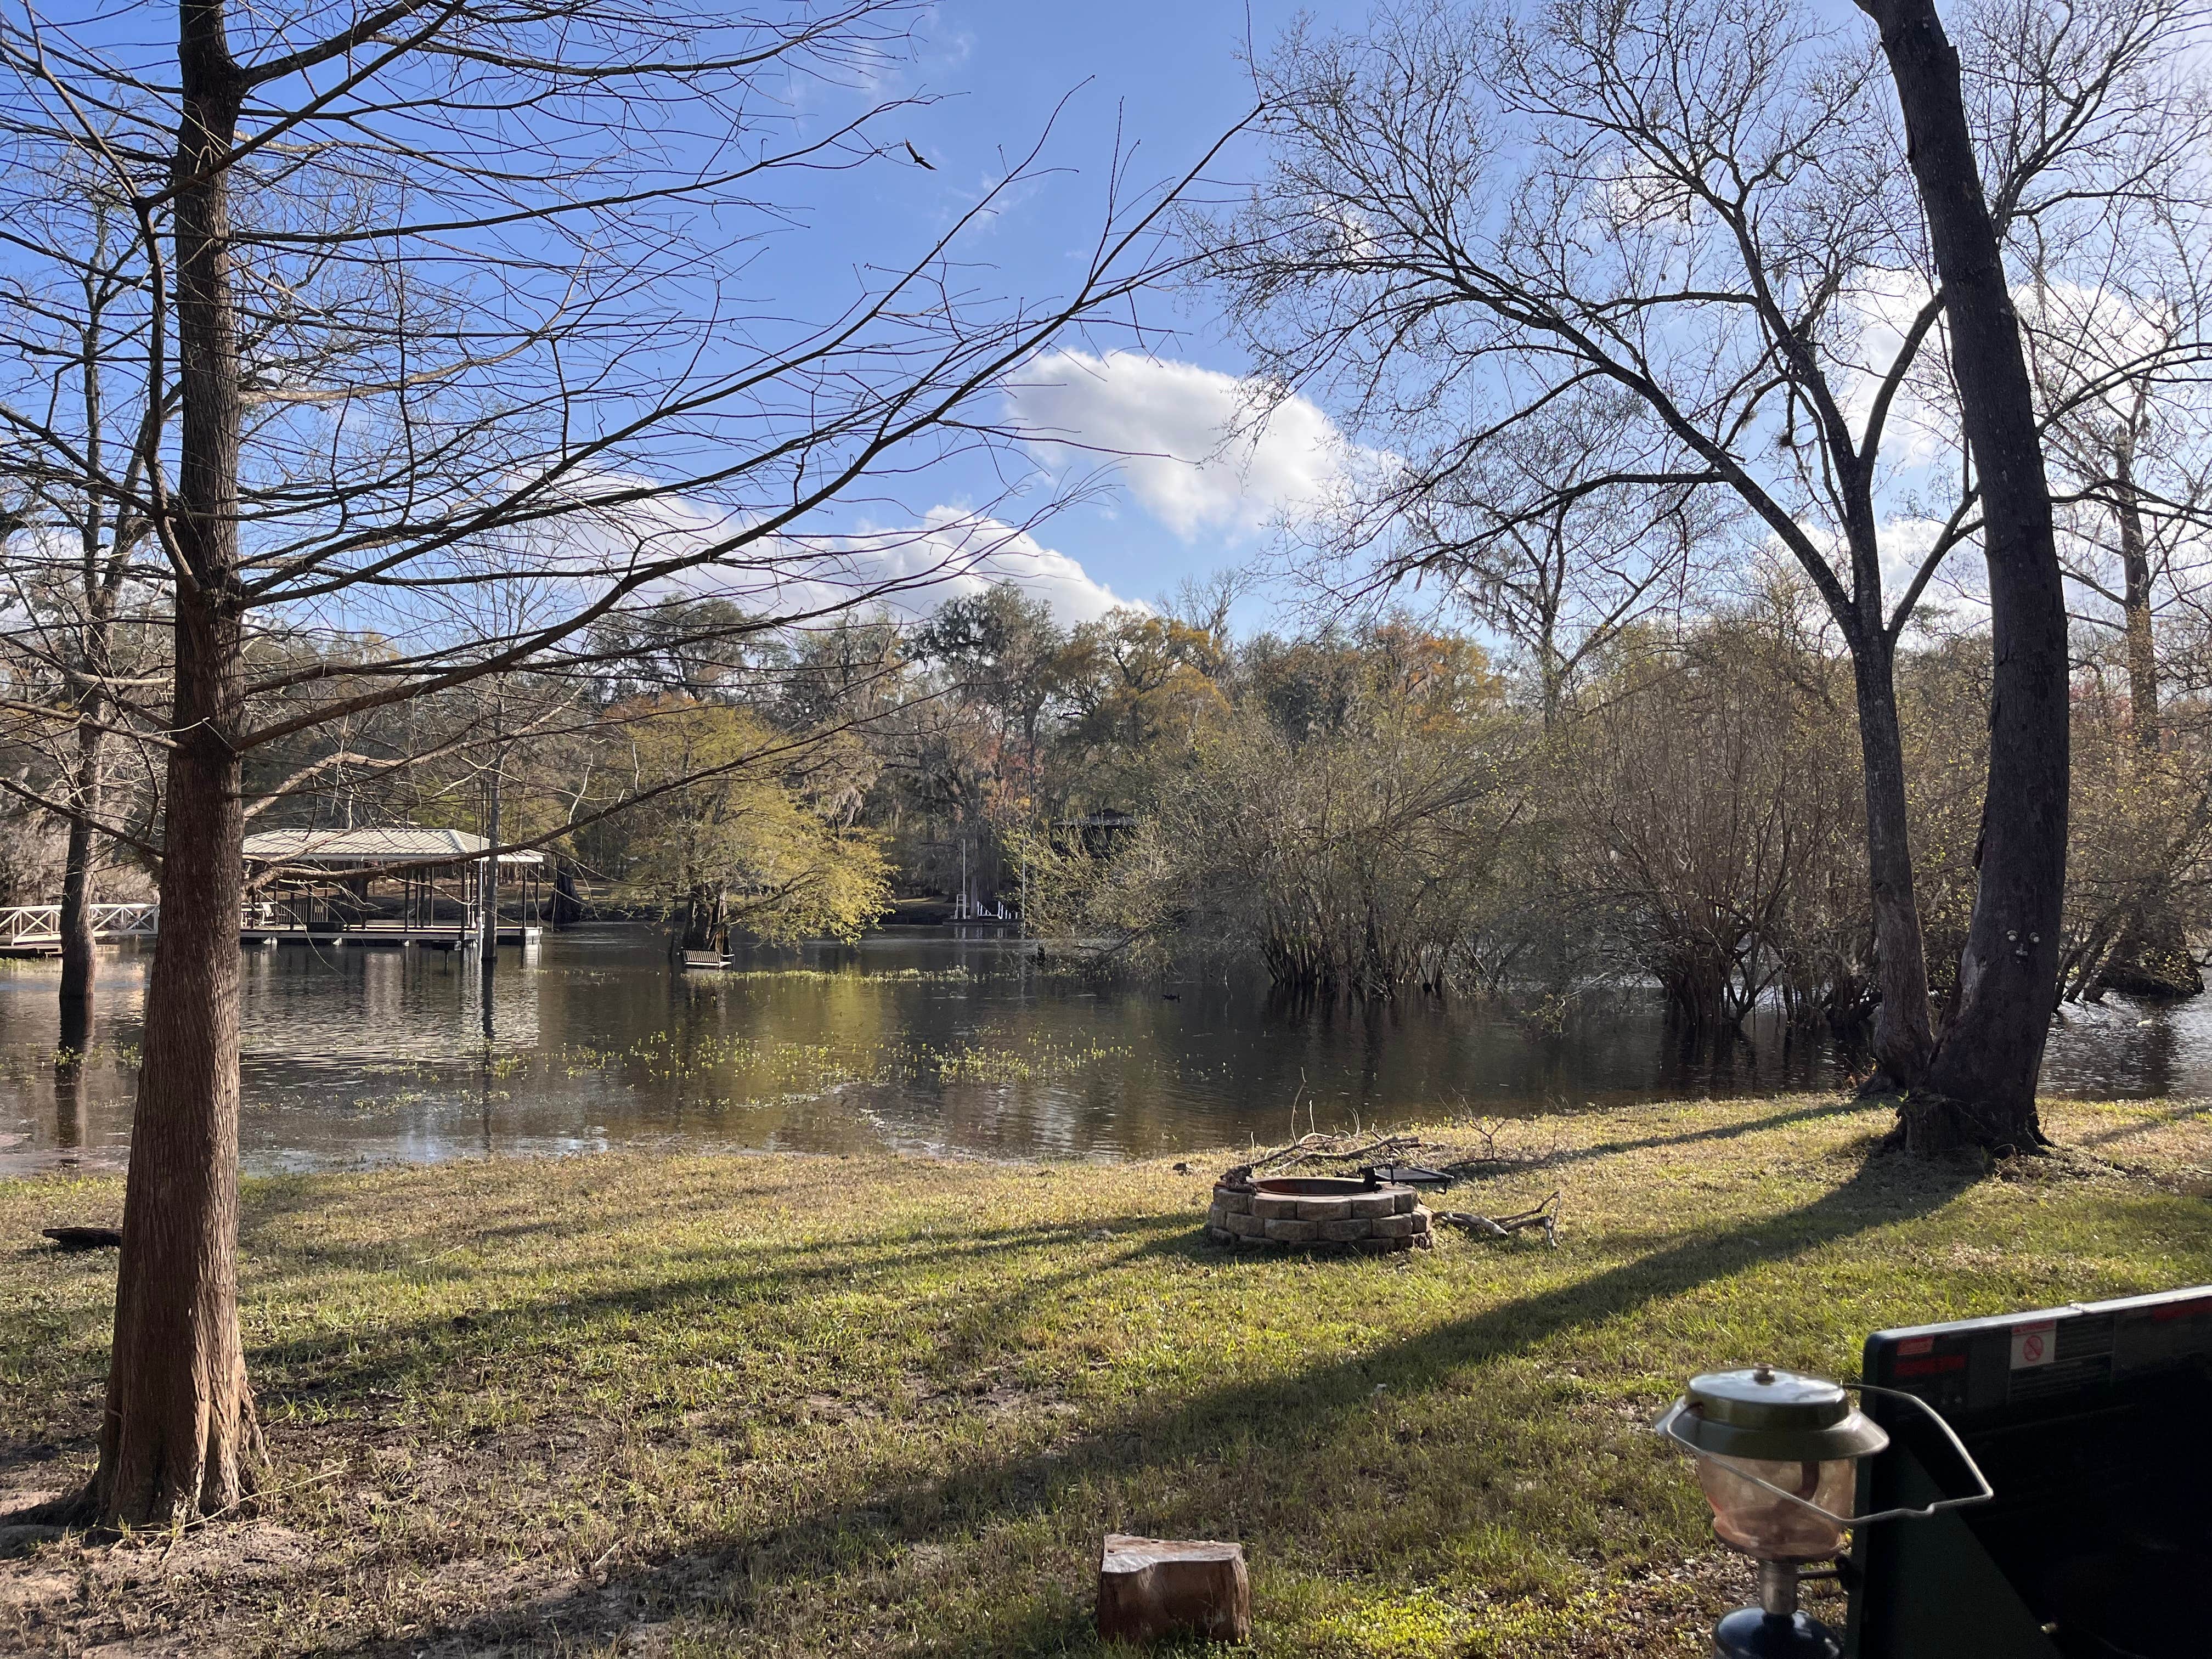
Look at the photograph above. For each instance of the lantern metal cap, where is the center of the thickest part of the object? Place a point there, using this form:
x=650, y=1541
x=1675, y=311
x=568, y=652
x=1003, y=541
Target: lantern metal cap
x=1772, y=1415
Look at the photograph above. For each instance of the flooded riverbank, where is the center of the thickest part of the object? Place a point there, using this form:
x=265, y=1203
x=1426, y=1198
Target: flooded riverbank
x=908, y=1041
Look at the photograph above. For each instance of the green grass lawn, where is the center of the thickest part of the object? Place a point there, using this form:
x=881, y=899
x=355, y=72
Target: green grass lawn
x=816, y=1405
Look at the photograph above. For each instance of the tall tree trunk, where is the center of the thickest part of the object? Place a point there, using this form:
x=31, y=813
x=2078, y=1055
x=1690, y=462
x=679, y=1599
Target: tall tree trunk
x=2135, y=605
x=78, y=892
x=95, y=662
x=487, y=884
x=568, y=908
x=1983, y=1077
x=703, y=918
x=1903, y=1040
x=2150, y=955
x=69, y=1074
x=88, y=795
x=179, y=1437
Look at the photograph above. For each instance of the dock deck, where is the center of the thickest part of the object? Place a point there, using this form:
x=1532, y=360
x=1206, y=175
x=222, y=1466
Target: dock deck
x=379, y=933
x=35, y=930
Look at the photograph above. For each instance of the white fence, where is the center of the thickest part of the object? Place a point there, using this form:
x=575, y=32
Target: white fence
x=32, y=925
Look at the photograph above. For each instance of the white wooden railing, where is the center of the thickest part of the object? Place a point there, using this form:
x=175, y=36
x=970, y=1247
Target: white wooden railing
x=42, y=924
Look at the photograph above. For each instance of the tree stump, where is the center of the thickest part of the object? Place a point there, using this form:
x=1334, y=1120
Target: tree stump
x=1149, y=1587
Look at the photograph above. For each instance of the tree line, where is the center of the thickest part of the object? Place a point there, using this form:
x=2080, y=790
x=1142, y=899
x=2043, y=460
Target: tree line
x=1400, y=805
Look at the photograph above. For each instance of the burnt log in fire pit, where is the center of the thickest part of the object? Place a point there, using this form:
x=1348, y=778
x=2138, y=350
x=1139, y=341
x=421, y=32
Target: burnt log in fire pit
x=1318, y=1212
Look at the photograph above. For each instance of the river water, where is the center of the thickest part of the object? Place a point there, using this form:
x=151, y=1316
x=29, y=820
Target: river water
x=916, y=1042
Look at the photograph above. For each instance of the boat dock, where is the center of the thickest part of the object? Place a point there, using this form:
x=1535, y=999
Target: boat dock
x=396, y=885
x=35, y=930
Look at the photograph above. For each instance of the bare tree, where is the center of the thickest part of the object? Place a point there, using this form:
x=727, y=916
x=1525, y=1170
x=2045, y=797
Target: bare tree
x=1540, y=538
x=1983, y=1082
x=490, y=275
x=75, y=599
x=2128, y=443
x=1701, y=207
x=1993, y=1051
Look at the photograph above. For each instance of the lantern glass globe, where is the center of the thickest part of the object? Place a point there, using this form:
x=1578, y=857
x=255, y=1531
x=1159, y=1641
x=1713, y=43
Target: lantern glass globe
x=1772, y=1527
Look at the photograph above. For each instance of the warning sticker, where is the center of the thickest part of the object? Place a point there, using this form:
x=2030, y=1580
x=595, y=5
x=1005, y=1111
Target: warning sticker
x=2034, y=1343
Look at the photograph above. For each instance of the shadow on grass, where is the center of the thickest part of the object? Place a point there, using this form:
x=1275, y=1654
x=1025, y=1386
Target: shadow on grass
x=1282, y=1418
x=270, y=1201
x=350, y=1363
x=1691, y=1138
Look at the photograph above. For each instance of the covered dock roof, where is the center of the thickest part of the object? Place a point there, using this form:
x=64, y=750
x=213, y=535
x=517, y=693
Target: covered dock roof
x=355, y=849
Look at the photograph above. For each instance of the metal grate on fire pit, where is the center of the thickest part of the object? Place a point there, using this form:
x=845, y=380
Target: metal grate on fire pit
x=1307, y=1210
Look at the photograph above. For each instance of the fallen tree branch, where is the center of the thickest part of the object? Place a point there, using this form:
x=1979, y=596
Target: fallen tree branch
x=1490, y=1159
x=1545, y=1215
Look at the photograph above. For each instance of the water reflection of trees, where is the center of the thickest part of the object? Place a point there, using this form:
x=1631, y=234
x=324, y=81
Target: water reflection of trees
x=599, y=1044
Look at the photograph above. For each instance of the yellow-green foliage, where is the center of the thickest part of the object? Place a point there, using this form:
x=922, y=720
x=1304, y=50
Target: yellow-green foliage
x=738, y=830
x=800, y=1406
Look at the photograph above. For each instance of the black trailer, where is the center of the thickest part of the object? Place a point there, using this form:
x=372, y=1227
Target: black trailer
x=2093, y=1423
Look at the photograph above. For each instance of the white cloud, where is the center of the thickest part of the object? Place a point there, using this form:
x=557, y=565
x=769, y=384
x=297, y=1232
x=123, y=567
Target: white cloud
x=2077, y=335
x=2094, y=339
x=1171, y=430
x=1957, y=595
x=955, y=554
x=908, y=569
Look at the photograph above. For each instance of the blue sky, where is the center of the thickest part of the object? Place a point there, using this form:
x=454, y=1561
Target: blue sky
x=1167, y=75
x=1159, y=82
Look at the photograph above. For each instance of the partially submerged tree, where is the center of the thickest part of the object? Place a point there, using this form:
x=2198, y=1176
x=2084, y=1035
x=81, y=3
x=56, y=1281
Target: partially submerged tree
x=485, y=270
x=1347, y=822
x=1710, y=825
x=1700, y=210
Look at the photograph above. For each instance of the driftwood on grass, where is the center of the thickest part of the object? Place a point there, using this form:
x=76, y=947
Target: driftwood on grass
x=1478, y=1154
x=1545, y=1215
x=1322, y=1149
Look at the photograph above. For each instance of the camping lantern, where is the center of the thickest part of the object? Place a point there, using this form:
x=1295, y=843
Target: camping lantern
x=1777, y=1455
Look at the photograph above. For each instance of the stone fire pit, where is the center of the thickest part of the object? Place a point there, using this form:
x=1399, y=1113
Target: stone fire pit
x=1305, y=1210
